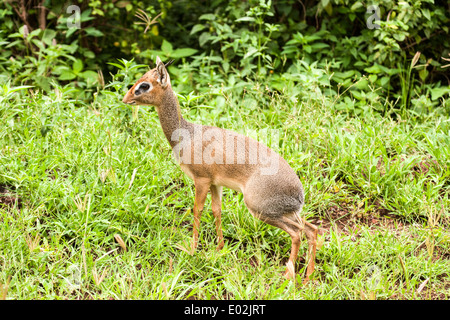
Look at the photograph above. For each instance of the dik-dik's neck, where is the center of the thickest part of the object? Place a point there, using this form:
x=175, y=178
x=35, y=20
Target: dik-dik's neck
x=170, y=115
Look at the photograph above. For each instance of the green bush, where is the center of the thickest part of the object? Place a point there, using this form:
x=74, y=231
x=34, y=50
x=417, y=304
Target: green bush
x=234, y=42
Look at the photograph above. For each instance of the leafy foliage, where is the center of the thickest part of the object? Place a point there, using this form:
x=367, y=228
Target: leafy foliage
x=223, y=41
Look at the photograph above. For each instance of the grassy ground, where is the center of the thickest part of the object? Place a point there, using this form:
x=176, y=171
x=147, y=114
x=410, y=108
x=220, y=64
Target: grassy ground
x=75, y=179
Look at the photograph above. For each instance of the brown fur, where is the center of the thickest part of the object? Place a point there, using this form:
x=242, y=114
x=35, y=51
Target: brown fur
x=276, y=198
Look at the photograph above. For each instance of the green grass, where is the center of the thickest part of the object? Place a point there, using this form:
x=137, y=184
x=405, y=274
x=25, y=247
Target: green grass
x=379, y=187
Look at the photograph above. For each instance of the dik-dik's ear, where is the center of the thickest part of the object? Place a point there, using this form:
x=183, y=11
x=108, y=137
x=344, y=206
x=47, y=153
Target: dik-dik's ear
x=163, y=75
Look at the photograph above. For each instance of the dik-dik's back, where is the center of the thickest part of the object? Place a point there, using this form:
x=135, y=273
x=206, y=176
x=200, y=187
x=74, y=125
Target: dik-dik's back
x=215, y=157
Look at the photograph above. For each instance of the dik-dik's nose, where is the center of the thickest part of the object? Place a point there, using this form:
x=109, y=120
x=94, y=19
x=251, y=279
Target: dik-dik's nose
x=127, y=98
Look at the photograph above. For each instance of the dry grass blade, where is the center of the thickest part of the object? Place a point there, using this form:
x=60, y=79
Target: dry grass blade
x=81, y=204
x=362, y=296
x=32, y=244
x=120, y=242
x=164, y=287
x=103, y=175
x=4, y=289
x=147, y=21
x=99, y=279
x=422, y=285
x=415, y=59
x=111, y=251
x=83, y=255
x=403, y=265
x=185, y=247
x=100, y=78
x=132, y=178
x=446, y=59
x=433, y=221
x=170, y=265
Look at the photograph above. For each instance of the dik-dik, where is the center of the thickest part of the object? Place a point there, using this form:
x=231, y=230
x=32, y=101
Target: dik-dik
x=215, y=157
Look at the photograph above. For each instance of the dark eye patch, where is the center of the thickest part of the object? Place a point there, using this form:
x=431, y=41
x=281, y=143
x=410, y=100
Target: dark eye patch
x=144, y=86
x=141, y=88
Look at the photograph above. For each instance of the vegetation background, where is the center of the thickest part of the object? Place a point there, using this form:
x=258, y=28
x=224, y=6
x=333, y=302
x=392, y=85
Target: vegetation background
x=92, y=206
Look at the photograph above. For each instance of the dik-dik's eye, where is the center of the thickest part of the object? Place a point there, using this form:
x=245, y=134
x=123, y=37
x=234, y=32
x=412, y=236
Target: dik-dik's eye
x=142, y=87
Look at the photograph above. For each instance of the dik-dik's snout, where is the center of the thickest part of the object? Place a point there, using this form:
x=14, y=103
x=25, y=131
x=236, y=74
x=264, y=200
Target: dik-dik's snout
x=128, y=98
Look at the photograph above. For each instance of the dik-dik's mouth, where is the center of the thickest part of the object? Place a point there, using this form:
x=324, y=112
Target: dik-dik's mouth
x=129, y=102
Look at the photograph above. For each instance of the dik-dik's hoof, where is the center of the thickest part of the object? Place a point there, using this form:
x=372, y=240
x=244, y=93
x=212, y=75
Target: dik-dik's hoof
x=219, y=246
x=290, y=271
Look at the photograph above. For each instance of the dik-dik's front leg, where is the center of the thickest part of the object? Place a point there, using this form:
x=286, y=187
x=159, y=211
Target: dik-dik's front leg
x=201, y=191
x=216, y=204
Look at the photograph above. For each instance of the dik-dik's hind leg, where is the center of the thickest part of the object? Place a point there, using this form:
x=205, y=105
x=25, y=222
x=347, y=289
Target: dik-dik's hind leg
x=201, y=191
x=216, y=204
x=293, y=230
x=311, y=234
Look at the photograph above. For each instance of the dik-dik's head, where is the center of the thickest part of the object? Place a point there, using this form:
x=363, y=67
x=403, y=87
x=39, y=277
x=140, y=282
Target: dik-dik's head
x=150, y=89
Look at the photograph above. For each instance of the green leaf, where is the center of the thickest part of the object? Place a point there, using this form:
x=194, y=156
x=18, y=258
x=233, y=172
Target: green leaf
x=38, y=44
x=207, y=16
x=384, y=81
x=85, y=15
x=438, y=92
x=91, y=31
x=362, y=85
x=183, y=52
x=121, y=67
x=70, y=31
x=423, y=74
x=14, y=43
x=67, y=75
x=250, y=52
x=373, y=69
x=89, y=54
x=319, y=45
x=77, y=66
x=137, y=66
x=197, y=28
x=245, y=19
x=204, y=37
x=90, y=76
x=166, y=47
x=11, y=90
x=48, y=36
x=356, y=6
x=358, y=94
x=326, y=4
